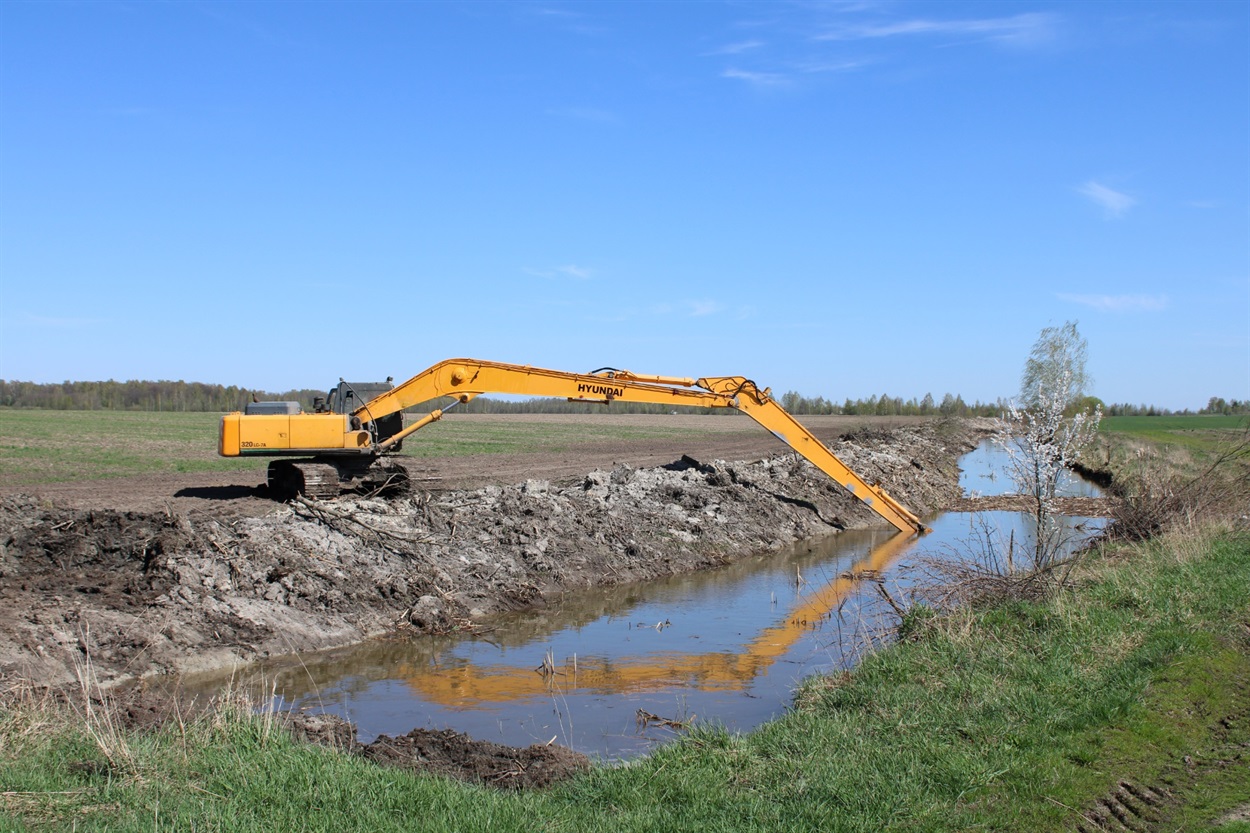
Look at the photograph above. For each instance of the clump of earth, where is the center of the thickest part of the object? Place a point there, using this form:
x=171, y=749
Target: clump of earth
x=143, y=593
x=448, y=753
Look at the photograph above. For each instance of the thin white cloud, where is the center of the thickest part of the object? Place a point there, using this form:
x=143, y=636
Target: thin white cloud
x=812, y=67
x=774, y=80
x=698, y=309
x=1118, y=303
x=690, y=309
x=229, y=16
x=574, y=272
x=857, y=25
x=736, y=48
x=570, y=271
x=757, y=79
x=1017, y=30
x=548, y=11
x=571, y=21
x=1114, y=203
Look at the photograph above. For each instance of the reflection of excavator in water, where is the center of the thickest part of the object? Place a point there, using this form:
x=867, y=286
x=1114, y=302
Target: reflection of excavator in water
x=473, y=685
x=445, y=676
x=346, y=440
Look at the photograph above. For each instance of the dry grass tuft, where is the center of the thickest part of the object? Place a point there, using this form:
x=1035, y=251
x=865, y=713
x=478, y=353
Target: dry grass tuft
x=27, y=714
x=100, y=719
x=1158, y=496
x=988, y=571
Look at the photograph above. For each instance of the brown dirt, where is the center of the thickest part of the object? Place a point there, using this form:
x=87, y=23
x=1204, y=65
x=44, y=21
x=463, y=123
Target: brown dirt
x=459, y=756
x=161, y=576
x=448, y=753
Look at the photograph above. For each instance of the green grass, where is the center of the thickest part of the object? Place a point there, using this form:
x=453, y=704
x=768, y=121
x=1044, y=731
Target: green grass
x=1197, y=422
x=1200, y=434
x=1008, y=718
x=49, y=446
x=1180, y=455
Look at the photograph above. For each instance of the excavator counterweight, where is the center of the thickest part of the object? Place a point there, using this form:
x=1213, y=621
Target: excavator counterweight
x=351, y=444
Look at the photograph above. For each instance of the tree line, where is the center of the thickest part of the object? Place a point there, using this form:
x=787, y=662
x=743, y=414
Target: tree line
x=792, y=401
x=1216, y=405
x=886, y=405
x=137, y=395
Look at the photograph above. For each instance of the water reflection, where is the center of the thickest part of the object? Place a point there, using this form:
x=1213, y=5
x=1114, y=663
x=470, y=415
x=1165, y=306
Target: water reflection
x=463, y=684
x=725, y=646
x=982, y=474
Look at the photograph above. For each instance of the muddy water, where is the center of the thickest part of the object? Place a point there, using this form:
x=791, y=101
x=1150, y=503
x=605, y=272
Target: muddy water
x=611, y=672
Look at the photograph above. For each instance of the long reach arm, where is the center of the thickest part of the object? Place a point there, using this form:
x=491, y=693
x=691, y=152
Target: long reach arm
x=464, y=379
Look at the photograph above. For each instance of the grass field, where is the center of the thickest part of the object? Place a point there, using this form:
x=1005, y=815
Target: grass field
x=1201, y=434
x=50, y=446
x=38, y=446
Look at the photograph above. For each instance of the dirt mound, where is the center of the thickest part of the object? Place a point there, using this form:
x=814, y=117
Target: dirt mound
x=447, y=753
x=160, y=592
x=459, y=756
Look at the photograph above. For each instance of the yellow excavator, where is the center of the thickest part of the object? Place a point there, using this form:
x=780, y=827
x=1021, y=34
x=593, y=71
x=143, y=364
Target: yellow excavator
x=350, y=437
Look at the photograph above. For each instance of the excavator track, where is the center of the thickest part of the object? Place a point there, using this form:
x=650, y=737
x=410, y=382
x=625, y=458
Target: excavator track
x=288, y=478
x=387, y=476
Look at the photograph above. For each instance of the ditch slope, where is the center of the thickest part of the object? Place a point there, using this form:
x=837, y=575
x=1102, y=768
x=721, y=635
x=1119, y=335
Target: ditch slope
x=142, y=592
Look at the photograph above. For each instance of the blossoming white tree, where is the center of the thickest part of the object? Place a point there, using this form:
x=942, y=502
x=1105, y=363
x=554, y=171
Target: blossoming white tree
x=1056, y=364
x=1041, y=443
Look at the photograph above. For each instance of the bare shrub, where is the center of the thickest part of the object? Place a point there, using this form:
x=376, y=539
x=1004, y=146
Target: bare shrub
x=989, y=568
x=1153, y=499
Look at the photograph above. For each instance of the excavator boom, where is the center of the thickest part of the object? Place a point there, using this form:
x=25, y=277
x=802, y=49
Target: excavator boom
x=464, y=379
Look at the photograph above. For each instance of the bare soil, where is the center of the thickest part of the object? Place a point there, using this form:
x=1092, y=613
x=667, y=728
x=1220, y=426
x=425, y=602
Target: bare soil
x=448, y=753
x=459, y=756
x=151, y=578
x=237, y=494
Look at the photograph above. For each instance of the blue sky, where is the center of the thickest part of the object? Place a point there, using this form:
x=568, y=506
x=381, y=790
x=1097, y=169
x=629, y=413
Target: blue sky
x=844, y=199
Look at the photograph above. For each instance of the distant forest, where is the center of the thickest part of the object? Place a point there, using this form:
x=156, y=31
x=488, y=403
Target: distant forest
x=196, y=396
x=138, y=396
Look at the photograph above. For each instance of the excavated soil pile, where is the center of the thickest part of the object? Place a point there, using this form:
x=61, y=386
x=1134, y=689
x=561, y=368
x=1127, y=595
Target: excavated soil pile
x=146, y=593
x=448, y=753
x=459, y=756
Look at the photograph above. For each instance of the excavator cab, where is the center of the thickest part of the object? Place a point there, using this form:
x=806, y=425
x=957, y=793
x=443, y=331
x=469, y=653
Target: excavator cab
x=348, y=397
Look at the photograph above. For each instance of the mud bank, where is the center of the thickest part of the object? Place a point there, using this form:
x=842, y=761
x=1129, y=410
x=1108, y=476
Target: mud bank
x=147, y=593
